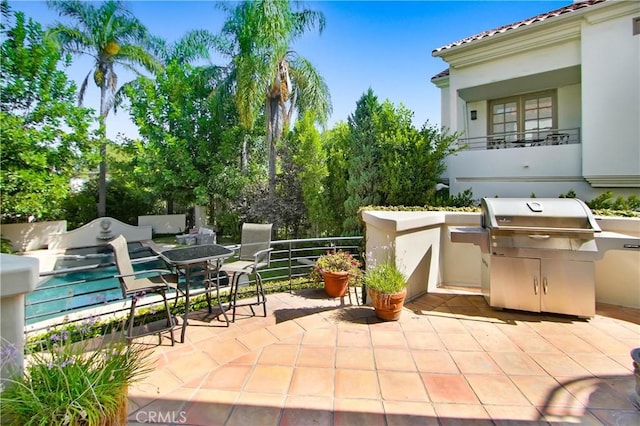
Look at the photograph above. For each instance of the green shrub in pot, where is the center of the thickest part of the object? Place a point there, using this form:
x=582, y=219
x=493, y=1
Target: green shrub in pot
x=385, y=278
x=387, y=289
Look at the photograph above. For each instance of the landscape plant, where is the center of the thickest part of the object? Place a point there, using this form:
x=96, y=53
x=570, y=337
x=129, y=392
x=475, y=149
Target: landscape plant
x=66, y=383
x=337, y=261
x=310, y=161
x=385, y=278
x=110, y=34
x=45, y=136
x=268, y=75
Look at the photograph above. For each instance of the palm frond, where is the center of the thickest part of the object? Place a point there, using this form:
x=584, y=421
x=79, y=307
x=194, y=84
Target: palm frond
x=131, y=55
x=314, y=94
x=71, y=40
x=83, y=88
x=194, y=45
x=307, y=20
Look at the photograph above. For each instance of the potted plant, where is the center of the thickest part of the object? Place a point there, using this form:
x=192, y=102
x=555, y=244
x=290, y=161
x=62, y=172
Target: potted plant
x=387, y=289
x=65, y=383
x=337, y=269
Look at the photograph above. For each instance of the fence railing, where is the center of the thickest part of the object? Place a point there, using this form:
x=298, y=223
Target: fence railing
x=84, y=292
x=531, y=138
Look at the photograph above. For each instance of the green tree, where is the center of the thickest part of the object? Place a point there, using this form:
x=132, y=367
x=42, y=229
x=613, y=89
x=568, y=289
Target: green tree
x=126, y=200
x=268, y=75
x=187, y=153
x=312, y=170
x=44, y=135
x=172, y=114
x=391, y=162
x=412, y=160
x=336, y=146
x=112, y=36
x=363, y=184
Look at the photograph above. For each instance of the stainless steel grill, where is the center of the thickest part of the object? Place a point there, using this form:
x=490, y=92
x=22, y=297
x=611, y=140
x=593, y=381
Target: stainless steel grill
x=538, y=253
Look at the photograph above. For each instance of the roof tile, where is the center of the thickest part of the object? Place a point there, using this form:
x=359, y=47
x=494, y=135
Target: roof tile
x=538, y=18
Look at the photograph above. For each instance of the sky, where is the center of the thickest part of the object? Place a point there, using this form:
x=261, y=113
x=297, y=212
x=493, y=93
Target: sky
x=382, y=45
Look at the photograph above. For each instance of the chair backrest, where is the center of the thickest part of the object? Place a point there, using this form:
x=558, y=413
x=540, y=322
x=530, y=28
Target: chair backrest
x=255, y=237
x=123, y=262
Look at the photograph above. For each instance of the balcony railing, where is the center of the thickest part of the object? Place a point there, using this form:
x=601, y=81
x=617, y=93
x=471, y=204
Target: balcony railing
x=547, y=137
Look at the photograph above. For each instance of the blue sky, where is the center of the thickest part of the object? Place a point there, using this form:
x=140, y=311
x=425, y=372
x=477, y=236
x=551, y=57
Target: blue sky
x=385, y=45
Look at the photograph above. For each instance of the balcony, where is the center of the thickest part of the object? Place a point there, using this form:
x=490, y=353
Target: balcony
x=547, y=137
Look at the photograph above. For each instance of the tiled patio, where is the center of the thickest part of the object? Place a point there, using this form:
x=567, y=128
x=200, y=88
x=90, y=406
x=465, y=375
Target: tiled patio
x=450, y=360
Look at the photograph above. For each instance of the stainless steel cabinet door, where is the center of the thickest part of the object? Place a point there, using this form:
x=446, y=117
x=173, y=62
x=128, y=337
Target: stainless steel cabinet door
x=515, y=283
x=568, y=287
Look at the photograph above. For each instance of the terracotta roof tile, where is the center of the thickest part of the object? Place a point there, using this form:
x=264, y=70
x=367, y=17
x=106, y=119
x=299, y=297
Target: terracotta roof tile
x=441, y=74
x=539, y=18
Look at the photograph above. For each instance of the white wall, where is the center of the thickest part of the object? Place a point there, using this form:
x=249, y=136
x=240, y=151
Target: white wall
x=97, y=232
x=546, y=171
x=521, y=63
x=414, y=239
x=569, y=107
x=31, y=236
x=164, y=224
x=611, y=95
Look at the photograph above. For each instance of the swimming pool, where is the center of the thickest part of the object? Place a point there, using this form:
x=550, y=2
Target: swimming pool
x=83, y=278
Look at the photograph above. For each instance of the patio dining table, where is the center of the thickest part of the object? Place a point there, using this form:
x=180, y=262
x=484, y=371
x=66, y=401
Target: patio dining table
x=199, y=261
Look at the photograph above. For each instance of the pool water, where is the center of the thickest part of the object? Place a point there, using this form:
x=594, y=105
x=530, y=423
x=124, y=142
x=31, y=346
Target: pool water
x=73, y=291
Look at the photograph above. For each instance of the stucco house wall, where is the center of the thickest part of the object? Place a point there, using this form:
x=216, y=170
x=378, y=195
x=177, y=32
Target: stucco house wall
x=611, y=90
x=591, y=59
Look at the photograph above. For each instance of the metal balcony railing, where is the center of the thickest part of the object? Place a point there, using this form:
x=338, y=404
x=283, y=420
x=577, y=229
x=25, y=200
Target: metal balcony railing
x=533, y=138
x=75, y=294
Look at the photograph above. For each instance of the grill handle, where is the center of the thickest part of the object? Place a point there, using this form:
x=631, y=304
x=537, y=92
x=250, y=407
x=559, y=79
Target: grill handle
x=539, y=237
x=572, y=231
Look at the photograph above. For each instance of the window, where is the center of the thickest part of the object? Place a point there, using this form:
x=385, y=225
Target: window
x=525, y=117
x=636, y=26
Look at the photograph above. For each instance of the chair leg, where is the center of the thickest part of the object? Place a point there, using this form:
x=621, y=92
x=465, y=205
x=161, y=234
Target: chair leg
x=169, y=319
x=223, y=311
x=129, y=333
x=260, y=292
x=207, y=294
x=234, y=289
x=261, y=298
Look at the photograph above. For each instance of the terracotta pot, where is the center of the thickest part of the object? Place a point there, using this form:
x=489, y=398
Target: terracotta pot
x=388, y=306
x=635, y=356
x=335, y=283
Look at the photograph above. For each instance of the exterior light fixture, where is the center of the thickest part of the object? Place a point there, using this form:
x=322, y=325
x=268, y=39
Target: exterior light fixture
x=474, y=114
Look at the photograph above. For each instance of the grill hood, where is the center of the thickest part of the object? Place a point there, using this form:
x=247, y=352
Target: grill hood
x=566, y=215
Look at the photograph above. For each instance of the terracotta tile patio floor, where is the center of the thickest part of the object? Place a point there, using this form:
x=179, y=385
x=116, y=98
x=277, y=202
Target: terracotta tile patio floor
x=450, y=360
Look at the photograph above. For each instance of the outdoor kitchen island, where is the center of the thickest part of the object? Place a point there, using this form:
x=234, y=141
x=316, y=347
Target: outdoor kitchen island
x=428, y=248
x=538, y=254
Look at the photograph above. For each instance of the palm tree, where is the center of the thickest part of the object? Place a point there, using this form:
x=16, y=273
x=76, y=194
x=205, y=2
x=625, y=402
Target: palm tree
x=112, y=36
x=268, y=75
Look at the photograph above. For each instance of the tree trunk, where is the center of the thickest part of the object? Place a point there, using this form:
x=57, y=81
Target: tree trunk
x=102, y=177
x=272, y=109
x=243, y=154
